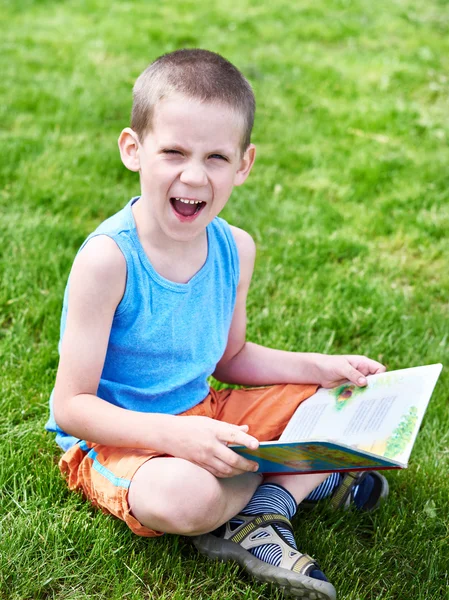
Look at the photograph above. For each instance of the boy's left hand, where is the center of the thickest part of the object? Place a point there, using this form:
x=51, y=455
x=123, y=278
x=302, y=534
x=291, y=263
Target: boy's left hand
x=332, y=371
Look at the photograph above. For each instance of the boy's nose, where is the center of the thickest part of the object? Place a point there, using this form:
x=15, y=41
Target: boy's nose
x=194, y=175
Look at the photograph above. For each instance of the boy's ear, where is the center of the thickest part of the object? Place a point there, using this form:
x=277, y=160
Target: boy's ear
x=129, y=149
x=246, y=164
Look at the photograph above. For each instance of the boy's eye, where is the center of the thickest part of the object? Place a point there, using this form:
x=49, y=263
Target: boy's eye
x=169, y=151
x=219, y=156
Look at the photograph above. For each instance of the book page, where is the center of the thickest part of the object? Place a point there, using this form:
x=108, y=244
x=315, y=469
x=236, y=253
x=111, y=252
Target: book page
x=382, y=418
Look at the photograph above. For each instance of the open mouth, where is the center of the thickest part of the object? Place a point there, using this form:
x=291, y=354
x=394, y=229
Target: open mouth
x=184, y=207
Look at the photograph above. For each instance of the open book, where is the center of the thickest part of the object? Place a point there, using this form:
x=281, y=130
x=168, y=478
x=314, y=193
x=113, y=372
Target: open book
x=349, y=428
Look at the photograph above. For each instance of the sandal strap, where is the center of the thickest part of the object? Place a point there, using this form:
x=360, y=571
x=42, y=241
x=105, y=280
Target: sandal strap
x=346, y=487
x=292, y=559
x=253, y=522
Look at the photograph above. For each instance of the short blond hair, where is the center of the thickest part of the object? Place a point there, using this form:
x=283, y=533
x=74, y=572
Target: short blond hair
x=198, y=74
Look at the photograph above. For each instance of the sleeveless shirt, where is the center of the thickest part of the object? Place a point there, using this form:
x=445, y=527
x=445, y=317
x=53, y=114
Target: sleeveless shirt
x=166, y=337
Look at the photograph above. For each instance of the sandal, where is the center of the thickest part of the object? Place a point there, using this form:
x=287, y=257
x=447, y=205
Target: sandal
x=343, y=497
x=291, y=576
x=343, y=494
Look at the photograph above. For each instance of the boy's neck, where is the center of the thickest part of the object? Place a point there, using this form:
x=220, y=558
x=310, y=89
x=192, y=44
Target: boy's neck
x=176, y=261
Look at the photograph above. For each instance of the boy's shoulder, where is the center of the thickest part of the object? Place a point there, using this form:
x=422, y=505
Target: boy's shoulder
x=101, y=253
x=245, y=244
x=117, y=223
x=246, y=249
x=101, y=262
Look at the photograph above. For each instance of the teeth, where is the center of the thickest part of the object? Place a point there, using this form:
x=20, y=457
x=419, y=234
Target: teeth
x=184, y=201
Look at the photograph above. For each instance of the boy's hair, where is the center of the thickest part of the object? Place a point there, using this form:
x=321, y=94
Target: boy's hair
x=197, y=74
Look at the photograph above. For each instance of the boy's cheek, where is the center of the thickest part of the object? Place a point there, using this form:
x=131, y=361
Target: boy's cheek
x=159, y=174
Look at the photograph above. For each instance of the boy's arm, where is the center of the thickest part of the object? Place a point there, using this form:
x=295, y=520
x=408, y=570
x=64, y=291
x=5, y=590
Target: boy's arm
x=246, y=363
x=97, y=284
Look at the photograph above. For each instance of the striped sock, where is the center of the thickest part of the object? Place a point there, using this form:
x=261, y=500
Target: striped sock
x=325, y=488
x=272, y=498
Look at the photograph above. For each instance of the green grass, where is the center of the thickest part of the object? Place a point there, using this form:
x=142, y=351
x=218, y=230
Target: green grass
x=348, y=204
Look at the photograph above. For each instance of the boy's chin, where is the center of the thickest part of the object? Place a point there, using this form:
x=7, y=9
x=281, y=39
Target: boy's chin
x=185, y=231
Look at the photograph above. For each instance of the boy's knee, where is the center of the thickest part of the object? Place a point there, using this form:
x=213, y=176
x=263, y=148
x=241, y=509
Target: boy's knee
x=194, y=511
x=184, y=499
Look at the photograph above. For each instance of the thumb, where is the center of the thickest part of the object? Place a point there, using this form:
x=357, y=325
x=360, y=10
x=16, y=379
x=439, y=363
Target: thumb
x=355, y=376
x=243, y=427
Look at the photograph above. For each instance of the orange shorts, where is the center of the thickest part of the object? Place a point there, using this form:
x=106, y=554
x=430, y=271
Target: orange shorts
x=104, y=473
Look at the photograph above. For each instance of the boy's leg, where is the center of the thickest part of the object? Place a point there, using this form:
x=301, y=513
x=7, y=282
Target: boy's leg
x=154, y=494
x=173, y=495
x=260, y=538
x=299, y=486
x=364, y=490
x=177, y=496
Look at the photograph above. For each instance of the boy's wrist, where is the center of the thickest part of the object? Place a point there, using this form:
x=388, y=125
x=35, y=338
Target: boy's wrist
x=158, y=431
x=310, y=366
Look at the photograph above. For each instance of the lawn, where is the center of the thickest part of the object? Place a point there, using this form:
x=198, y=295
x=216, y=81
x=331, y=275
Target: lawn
x=349, y=207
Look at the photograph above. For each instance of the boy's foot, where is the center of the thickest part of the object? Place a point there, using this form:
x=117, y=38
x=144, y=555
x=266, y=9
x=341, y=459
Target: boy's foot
x=365, y=490
x=297, y=574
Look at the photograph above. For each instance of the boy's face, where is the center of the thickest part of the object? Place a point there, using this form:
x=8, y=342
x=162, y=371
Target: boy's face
x=189, y=163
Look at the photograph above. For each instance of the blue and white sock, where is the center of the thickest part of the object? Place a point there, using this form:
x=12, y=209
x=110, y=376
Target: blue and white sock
x=273, y=498
x=325, y=489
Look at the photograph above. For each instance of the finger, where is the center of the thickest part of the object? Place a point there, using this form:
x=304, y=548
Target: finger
x=370, y=367
x=221, y=469
x=235, y=461
x=366, y=365
x=243, y=427
x=235, y=435
x=355, y=376
x=335, y=383
x=377, y=367
x=208, y=467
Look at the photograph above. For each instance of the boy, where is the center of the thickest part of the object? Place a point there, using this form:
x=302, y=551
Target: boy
x=156, y=303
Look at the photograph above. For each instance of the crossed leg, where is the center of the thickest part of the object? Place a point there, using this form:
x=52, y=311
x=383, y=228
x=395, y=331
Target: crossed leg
x=174, y=495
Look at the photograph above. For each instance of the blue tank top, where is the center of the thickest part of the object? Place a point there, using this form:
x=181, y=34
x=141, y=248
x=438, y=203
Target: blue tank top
x=166, y=337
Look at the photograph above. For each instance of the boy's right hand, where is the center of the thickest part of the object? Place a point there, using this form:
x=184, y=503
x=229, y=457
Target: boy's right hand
x=204, y=441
